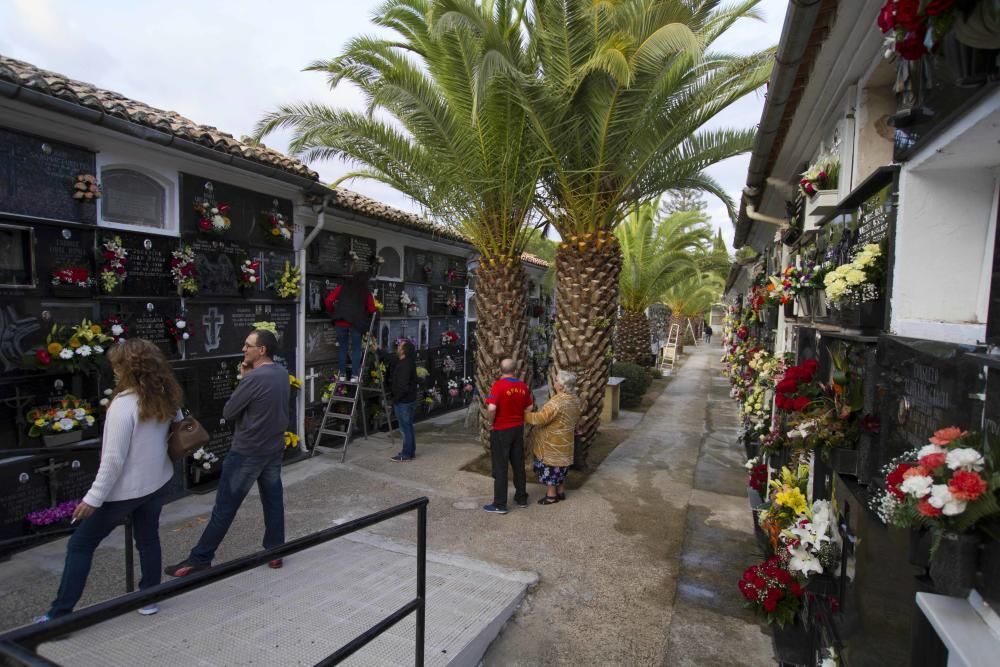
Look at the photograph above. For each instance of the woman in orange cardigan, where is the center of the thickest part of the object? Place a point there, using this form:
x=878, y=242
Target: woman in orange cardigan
x=553, y=435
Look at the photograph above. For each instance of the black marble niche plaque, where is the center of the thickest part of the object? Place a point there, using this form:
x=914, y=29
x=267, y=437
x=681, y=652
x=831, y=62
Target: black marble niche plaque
x=414, y=261
x=22, y=490
x=438, y=325
x=272, y=265
x=418, y=294
x=317, y=377
x=148, y=263
x=19, y=395
x=364, y=248
x=220, y=329
x=924, y=386
x=37, y=177
x=146, y=319
x=217, y=262
x=74, y=480
x=873, y=219
x=321, y=340
x=327, y=254
x=388, y=293
x=439, y=269
x=437, y=297
x=316, y=291
x=63, y=247
x=247, y=211
x=25, y=323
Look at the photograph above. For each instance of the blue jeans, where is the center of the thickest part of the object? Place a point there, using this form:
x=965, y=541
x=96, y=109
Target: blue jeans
x=349, y=336
x=239, y=472
x=145, y=513
x=404, y=413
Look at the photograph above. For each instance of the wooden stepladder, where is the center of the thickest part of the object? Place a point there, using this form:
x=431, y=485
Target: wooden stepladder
x=668, y=354
x=339, y=424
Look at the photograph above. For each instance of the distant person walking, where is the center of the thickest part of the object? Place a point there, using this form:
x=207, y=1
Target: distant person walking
x=259, y=407
x=403, y=394
x=134, y=474
x=552, y=437
x=505, y=404
x=351, y=306
x=708, y=334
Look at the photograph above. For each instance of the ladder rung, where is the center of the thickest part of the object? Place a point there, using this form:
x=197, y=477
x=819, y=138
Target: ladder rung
x=337, y=415
x=326, y=431
x=343, y=399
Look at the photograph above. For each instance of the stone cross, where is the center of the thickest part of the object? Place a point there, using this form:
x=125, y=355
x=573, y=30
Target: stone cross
x=18, y=401
x=311, y=377
x=49, y=471
x=212, y=321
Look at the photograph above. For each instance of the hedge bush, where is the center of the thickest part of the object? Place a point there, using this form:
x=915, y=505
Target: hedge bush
x=637, y=381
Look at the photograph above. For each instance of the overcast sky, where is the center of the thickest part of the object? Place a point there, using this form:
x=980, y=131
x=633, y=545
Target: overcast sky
x=225, y=63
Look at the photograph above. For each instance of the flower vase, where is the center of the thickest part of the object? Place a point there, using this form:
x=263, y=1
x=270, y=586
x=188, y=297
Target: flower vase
x=866, y=317
x=789, y=307
x=953, y=565
x=806, y=301
x=793, y=644
x=60, y=439
x=70, y=291
x=844, y=461
x=920, y=548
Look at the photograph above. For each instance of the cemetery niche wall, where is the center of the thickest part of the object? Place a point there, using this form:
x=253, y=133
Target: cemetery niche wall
x=70, y=287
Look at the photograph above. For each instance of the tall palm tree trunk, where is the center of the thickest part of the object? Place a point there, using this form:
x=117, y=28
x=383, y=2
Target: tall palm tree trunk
x=587, y=268
x=501, y=327
x=632, y=336
x=681, y=322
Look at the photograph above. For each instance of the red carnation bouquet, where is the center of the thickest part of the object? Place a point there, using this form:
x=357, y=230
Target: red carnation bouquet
x=798, y=387
x=75, y=276
x=948, y=485
x=771, y=590
x=915, y=26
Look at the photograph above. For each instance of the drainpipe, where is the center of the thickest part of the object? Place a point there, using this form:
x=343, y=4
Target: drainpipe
x=795, y=35
x=760, y=217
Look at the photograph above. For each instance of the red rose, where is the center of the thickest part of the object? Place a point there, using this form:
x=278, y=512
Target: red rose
x=886, y=21
x=42, y=356
x=786, y=386
x=796, y=589
x=799, y=404
x=871, y=424
x=770, y=605
x=912, y=46
x=932, y=461
x=783, y=576
x=908, y=14
x=895, y=478
x=966, y=485
x=223, y=208
x=205, y=224
x=925, y=508
x=936, y=7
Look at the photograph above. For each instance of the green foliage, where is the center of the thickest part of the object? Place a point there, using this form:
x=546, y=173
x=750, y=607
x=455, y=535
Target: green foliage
x=637, y=381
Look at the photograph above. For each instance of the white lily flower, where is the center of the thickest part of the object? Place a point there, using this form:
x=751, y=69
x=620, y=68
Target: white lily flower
x=804, y=562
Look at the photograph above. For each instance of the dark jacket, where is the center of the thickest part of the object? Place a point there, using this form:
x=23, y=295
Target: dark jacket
x=352, y=302
x=402, y=376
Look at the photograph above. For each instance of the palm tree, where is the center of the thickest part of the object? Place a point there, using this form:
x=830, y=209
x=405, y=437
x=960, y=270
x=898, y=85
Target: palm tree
x=655, y=254
x=455, y=142
x=619, y=105
x=690, y=298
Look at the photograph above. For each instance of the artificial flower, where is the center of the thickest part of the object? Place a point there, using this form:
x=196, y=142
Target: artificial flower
x=965, y=458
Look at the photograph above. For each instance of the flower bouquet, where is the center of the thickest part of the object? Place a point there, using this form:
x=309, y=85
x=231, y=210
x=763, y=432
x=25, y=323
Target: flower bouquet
x=453, y=388
x=249, y=275
x=451, y=275
x=178, y=328
x=786, y=501
x=812, y=542
x=289, y=282
x=771, y=590
x=422, y=373
x=823, y=175
x=294, y=383
x=857, y=281
x=203, y=463
x=450, y=337
x=212, y=217
x=914, y=28
x=291, y=440
x=758, y=475
x=79, y=349
x=798, y=387
x=62, y=423
x=428, y=270
x=86, y=188
x=116, y=328
x=468, y=385
x=113, y=273
x=280, y=228
x=182, y=269
x=71, y=281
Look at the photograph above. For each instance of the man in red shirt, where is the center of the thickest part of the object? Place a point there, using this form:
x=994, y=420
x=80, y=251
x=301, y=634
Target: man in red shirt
x=506, y=403
x=351, y=306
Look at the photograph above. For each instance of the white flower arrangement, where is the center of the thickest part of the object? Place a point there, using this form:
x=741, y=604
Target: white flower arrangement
x=812, y=540
x=204, y=458
x=854, y=282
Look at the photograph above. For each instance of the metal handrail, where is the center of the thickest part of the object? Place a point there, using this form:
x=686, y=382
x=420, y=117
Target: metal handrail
x=20, y=646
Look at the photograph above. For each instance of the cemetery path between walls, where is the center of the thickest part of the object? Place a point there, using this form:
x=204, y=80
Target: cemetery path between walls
x=638, y=567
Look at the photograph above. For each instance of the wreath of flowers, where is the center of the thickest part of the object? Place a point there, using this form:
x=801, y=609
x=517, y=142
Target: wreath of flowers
x=70, y=414
x=289, y=282
x=178, y=328
x=185, y=275
x=113, y=272
x=86, y=188
x=77, y=349
x=73, y=276
x=249, y=274
x=450, y=337
x=116, y=328
x=212, y=217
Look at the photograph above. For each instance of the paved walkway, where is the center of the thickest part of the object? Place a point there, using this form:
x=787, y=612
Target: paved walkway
x=638, y=567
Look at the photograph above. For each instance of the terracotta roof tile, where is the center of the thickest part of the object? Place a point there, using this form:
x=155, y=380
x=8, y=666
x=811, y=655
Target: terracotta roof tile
x=359, y=203
x=528, y=258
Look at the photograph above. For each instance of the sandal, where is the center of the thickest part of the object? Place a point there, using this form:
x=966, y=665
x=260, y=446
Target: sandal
x=561, y=496
x=548, y=500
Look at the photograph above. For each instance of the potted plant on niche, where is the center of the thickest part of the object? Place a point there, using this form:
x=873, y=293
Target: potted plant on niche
x=52, y=518
x=61, y=424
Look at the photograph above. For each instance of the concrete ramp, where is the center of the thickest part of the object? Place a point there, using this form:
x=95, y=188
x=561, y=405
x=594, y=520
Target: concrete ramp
x=298, y=615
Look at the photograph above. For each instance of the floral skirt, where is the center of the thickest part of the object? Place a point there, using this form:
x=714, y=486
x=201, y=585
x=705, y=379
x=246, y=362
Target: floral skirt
x=550, y=475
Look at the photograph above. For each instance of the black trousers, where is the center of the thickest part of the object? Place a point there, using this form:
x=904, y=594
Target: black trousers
x=507, y=446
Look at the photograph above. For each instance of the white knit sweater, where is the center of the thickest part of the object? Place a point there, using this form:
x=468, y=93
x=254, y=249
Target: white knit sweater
x=134, y=460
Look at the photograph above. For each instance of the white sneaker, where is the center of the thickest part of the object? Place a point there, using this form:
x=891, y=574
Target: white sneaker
x=355, y=378
x=341, y=378
x=148, y=610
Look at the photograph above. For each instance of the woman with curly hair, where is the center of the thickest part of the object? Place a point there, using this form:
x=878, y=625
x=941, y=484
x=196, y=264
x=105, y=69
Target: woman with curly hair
x=135, y=470
x=553, y=436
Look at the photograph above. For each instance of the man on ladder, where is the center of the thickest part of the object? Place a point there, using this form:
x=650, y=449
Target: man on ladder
x=352, y=306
